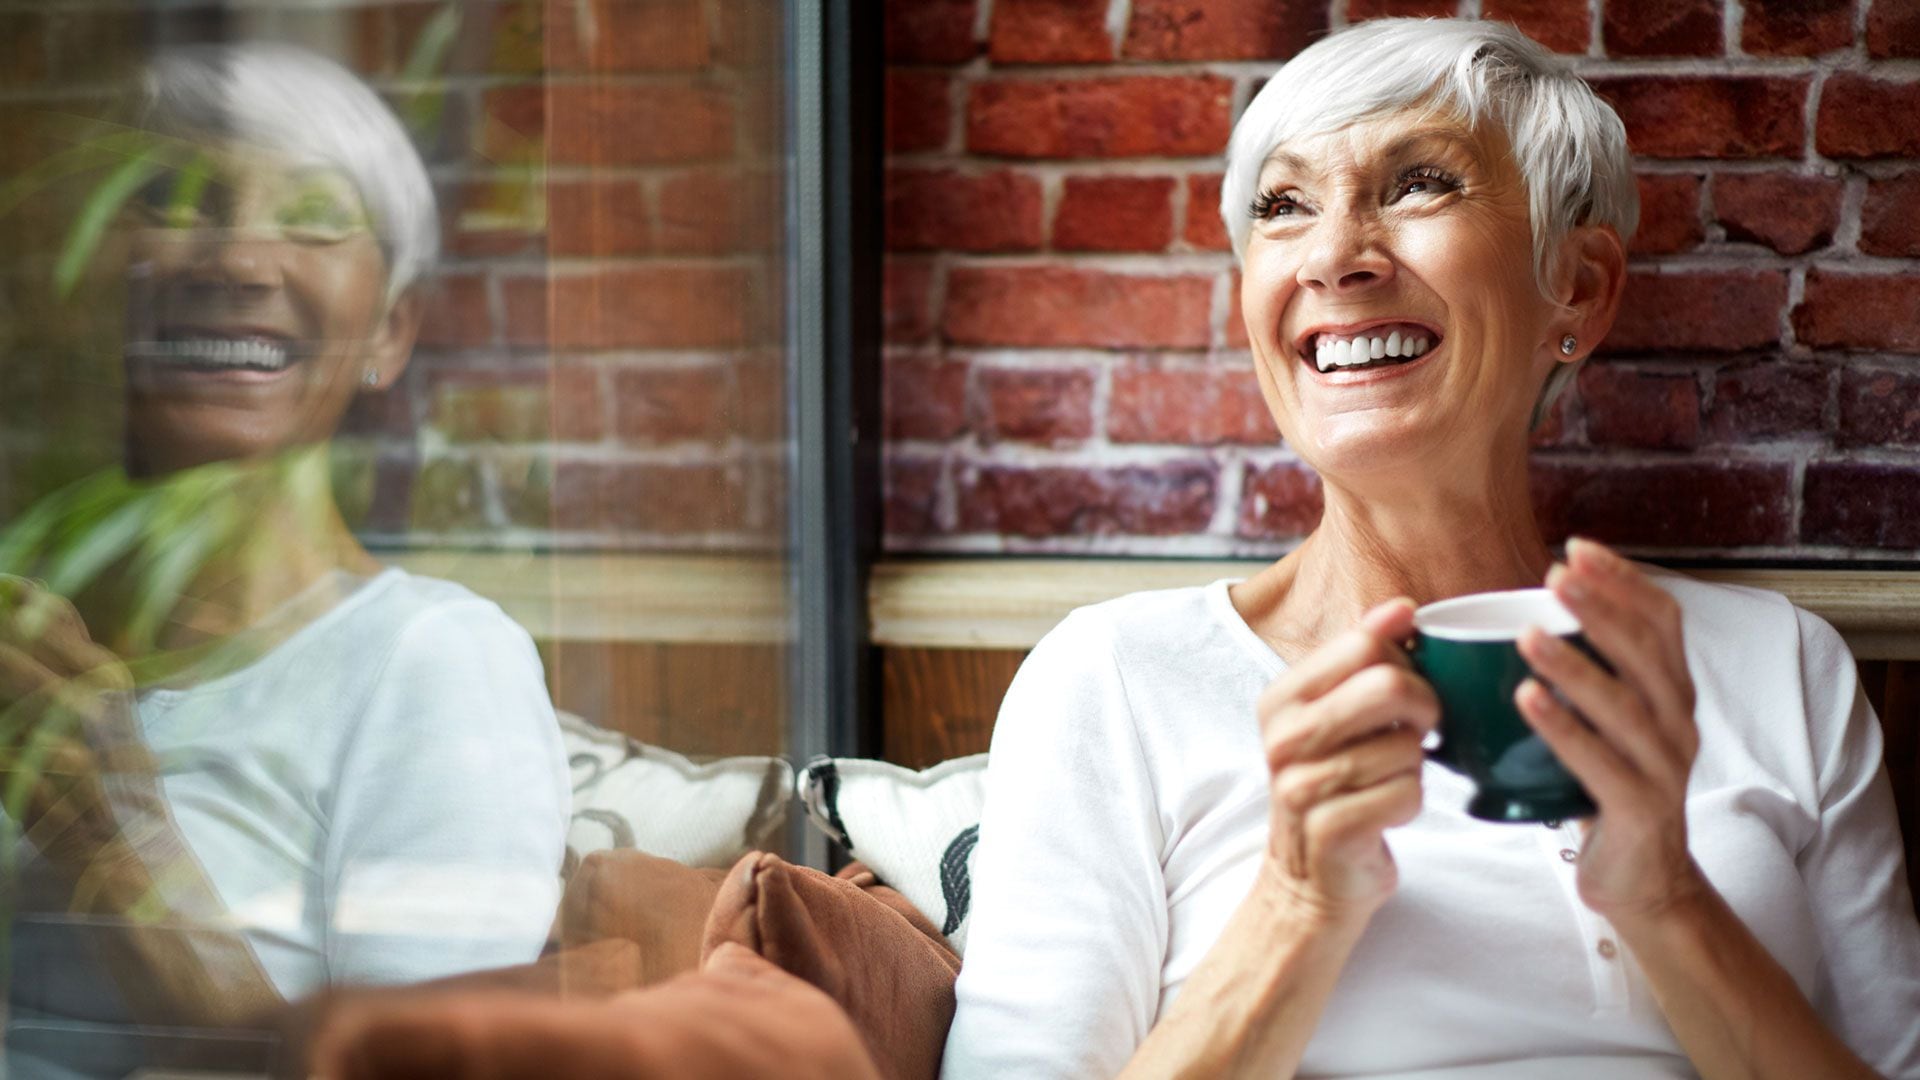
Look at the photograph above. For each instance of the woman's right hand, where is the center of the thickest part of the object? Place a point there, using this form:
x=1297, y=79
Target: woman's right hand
x=1343, y=731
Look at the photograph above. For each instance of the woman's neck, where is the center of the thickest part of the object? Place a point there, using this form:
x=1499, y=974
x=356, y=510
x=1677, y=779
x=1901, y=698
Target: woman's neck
x=1426, y=543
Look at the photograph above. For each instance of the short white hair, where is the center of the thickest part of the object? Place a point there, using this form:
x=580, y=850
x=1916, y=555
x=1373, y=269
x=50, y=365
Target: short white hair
x=1569, y=145
x=290, y=100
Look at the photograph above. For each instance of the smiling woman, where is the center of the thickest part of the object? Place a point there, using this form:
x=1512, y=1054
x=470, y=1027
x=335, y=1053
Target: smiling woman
x=300, y=769
x=1213, y=843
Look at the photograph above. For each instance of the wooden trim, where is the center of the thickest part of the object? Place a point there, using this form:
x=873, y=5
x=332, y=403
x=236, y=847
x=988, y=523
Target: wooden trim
x=591, y=596
x=1007, y=603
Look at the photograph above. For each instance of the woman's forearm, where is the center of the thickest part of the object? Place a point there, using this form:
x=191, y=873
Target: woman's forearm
x=1734, y=1009
x=1253, y=1002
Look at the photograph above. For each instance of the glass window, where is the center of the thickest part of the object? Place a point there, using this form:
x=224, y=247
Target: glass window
x=392, y=492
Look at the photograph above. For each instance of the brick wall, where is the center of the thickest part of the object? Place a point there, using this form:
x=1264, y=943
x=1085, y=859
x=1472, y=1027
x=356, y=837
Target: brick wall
x=601, y=363
x=1066, y=370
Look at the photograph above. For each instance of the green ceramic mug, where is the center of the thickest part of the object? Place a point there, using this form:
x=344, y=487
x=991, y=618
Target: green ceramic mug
x=1467, y=648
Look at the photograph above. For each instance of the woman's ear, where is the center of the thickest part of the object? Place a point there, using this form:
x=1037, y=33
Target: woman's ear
x=1594, y=264
x=393, y=339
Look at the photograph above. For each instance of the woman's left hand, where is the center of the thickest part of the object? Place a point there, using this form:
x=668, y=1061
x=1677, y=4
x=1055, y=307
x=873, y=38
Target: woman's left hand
x=1638, y=743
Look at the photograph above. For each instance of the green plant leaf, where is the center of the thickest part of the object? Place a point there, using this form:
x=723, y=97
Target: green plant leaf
x=95, y=216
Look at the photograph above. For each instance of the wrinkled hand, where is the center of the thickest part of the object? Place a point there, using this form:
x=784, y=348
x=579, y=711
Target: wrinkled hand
x=1638, y=743
x=73, y=770
x=1342, y=731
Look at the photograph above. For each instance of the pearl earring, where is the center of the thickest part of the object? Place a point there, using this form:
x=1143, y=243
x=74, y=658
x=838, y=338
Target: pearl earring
x=371, y=379
x=1568, y=344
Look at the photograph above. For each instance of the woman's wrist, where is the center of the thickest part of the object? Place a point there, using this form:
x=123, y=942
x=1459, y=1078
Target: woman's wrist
x=1291, y=909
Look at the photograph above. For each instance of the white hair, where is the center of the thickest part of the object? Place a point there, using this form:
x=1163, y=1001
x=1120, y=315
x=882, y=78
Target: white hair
x=289, y=100
x=1569, y=145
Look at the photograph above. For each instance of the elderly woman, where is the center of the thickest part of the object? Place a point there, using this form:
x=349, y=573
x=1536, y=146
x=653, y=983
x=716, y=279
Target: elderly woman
x=325, y=771
x=1211, y=846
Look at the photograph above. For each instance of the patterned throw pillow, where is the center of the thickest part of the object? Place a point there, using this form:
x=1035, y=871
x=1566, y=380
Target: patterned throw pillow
x=915, y=830
x=630, y=795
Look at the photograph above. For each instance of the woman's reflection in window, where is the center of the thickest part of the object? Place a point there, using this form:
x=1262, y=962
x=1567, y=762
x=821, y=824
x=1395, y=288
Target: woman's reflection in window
x=248, y=761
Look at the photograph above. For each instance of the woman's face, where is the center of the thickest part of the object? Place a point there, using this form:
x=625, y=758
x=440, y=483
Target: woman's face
x=256, y=307
x=1411, y=231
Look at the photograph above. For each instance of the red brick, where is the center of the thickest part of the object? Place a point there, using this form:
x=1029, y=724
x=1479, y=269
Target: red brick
x=946, y=210
x=1236, y=328
x=1223, y=29
x=1796, y=27
x=1893, y=29
x=1715, y=116
x=1864, y=117
x=912, y=496
x=1889, y=224
x=1191, y=406
x=631, y=498
x=1157, y=500
x=665, y=405
x=493, y=218
x=1662, y=28
x=489, y=406
x=1561, y=25
x=1641, y=409
x=748, y=35
x=930, y=31
x=527, y=304
x=1718, y=311
x=616, y=123
x=906, y=304
x=1278, y=502
x=1768, y=400
x=1788, y=212
x=1043, y=306
x=597, y=217
x=716, y=211
x=1035, y=405
x=1114, y=213
x=1879, y=408
x=760, y=384
x=1205, y=229
x=1049, y=32
x=626, y=35
x=1859, y=311
x=457, y=313
x=1358, y=10
x=678, y=307
x=579, y=403
x=1669, y=214
x=919, y=111
x=1676, y=504
x=924, y=399
x=1131, y=116
x=1858, y=504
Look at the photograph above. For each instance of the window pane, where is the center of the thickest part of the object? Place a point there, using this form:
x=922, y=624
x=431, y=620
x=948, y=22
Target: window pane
x=393, y=482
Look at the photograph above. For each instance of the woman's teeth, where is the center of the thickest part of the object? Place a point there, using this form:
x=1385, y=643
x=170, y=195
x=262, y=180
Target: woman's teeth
x=1362, y=350
x=222, y=353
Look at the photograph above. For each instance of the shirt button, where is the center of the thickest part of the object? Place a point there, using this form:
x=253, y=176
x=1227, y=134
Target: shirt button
x=1607, y=949
x=1567, y=854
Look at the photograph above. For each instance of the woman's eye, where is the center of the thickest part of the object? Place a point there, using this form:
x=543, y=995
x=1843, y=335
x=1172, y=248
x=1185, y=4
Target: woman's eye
x=167, y=201
x=320, y=215
x=1427, y=180
x=1273, y=204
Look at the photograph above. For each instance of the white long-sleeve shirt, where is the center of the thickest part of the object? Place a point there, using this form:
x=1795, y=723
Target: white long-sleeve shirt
x=382, y=798
x=1127, y=812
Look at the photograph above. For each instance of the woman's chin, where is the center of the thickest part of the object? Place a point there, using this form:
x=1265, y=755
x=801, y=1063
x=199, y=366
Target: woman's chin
x=1362, y=444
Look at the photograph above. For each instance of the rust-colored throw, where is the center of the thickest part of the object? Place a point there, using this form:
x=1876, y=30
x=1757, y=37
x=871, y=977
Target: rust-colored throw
x=854, y=938
x=658, y=904
x=738, y=1016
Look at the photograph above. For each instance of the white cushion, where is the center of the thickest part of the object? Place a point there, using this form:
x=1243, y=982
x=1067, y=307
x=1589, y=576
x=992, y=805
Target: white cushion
x=630, y=795
x=915, y=830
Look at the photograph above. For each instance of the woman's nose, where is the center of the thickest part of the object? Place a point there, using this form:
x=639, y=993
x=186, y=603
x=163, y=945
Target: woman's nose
x=1344, y=257
x=235, y=259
